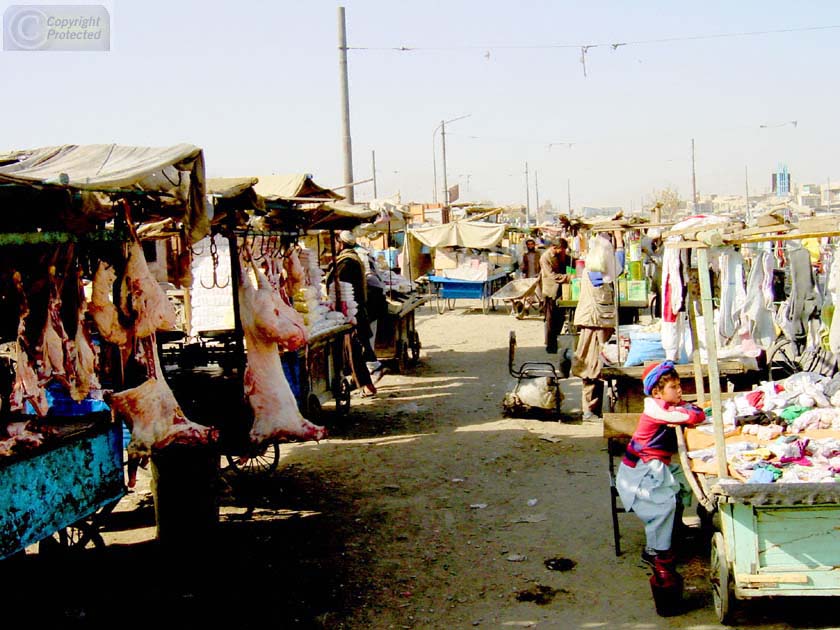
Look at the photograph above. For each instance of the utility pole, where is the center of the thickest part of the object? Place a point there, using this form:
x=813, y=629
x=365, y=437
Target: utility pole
x=828, y=193
x=747, y=189
x=569, y=196
x=345, y=107
x=693, y=177
x=373, y=170
x=527, y=198
x=434, y=168
x=537, y=194
x=445, y=185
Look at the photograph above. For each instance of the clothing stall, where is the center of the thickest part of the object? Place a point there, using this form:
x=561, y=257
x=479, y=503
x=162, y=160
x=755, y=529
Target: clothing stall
x=768, y=462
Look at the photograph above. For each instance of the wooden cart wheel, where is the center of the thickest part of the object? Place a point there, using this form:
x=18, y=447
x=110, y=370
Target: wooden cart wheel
x=722, y=593
x=342, y=397
x=415, y=347
x=519, y=309
x=485, y=304
x=402, y=357
x=263, y=461
x=75, y=538
x=450, y=304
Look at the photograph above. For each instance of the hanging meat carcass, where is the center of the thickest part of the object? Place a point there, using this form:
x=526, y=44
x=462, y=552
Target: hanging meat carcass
x=275, y=409
x=83, y=356
x=156, y=419
x=52, y=347
x=102, y=309
x=273, y=318
x=142, y=297
x=295, y=275
x=26, y=387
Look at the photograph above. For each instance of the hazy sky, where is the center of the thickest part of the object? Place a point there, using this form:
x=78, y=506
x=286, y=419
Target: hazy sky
x=256, y=84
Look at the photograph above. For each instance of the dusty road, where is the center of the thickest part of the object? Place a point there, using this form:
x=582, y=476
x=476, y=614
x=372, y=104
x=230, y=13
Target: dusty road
x=426, y=508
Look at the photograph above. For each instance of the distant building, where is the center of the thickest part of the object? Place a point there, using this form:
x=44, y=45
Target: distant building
x=809, y=195
x=781, y=181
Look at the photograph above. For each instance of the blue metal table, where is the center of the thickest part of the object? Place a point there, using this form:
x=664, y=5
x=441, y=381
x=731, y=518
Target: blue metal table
x=447, y=290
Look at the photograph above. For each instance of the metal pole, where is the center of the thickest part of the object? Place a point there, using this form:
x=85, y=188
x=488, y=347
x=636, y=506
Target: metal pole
x=569, y=194
x=537, y=193
x=445, y=185
x=527, y=198
x=345, y=106
x=828, y=193
x=747, y=188
x=693, y=176
x=373, y=170
x=434, y=167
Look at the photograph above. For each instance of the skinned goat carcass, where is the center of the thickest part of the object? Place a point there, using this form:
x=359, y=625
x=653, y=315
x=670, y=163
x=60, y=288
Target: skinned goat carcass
x=275, y=409
x=102, y=309
x=52, y=348
x=83, y=357
x=26, y=387
x=156, y=419
x=295, y=275
x=142, y=295
x=271, y=317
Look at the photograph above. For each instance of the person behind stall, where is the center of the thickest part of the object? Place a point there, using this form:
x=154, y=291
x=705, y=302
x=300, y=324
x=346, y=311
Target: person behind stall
x=349, y=268
x=376, y=306
x=530, y=263
x=554, y=264
x=648, y=482
x=595, y=317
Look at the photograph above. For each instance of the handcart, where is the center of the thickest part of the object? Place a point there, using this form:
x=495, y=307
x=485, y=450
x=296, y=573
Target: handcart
x=448, y=290
x=537, y=391
x=521, y=294
x=56, y=495
x=396, y=336
x=774, y=541
x=322, y=378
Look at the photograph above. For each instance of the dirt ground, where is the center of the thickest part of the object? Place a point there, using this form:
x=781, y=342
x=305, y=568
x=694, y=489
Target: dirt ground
x=425, y=508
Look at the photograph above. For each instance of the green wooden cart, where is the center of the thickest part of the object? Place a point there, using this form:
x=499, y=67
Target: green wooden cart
x=774, y=540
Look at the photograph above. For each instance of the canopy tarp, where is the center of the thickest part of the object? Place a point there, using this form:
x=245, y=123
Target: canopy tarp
x=291, y=187
x=338, y=215
x=475, y=234
x=173, y=176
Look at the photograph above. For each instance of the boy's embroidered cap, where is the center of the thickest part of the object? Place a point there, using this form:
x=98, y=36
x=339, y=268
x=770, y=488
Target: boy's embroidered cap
x=652, y=374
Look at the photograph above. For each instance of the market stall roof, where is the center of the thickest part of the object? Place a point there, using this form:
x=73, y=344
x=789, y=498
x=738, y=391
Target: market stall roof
x=229, y=187
x=291, y=188
x=173, y=176
x=475, y=234
x=337, y=215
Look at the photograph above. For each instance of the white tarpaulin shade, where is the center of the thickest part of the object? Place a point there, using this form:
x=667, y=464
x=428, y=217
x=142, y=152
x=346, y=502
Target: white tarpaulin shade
x=476, y=234
x=279, y=187
x=175, y=175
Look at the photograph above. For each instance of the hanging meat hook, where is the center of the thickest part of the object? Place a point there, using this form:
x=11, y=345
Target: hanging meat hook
x=214, y=257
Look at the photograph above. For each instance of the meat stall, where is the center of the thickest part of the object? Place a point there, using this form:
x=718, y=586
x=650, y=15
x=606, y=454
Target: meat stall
x=79, y=311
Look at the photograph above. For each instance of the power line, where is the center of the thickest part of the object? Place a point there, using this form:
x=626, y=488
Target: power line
x=585, y=47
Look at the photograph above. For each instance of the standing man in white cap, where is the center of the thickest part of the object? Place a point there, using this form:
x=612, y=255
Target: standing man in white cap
x=349, y=268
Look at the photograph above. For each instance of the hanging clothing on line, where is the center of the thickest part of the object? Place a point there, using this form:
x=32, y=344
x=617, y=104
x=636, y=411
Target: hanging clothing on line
x=733, y=296
x=759, y=299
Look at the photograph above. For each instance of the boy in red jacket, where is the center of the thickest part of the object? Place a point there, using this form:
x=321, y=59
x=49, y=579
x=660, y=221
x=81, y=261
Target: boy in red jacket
x=648, y=482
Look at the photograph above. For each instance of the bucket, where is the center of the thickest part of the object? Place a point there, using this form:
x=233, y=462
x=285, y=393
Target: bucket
x=185, y=483
x=667, y=594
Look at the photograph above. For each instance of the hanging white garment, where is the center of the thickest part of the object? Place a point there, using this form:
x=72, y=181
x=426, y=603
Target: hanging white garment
x=733, y=296
x=834, y=291
x=759, y=300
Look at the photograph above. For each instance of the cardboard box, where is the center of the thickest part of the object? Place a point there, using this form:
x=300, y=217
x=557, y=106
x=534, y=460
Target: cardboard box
x=566, y=291
x=637, y=291
x=445, y=260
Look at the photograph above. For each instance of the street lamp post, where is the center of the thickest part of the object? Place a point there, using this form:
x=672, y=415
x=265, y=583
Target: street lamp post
x=442, y=127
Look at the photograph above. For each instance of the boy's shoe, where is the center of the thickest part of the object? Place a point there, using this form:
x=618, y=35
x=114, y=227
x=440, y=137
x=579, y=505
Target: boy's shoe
x=649, y=558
